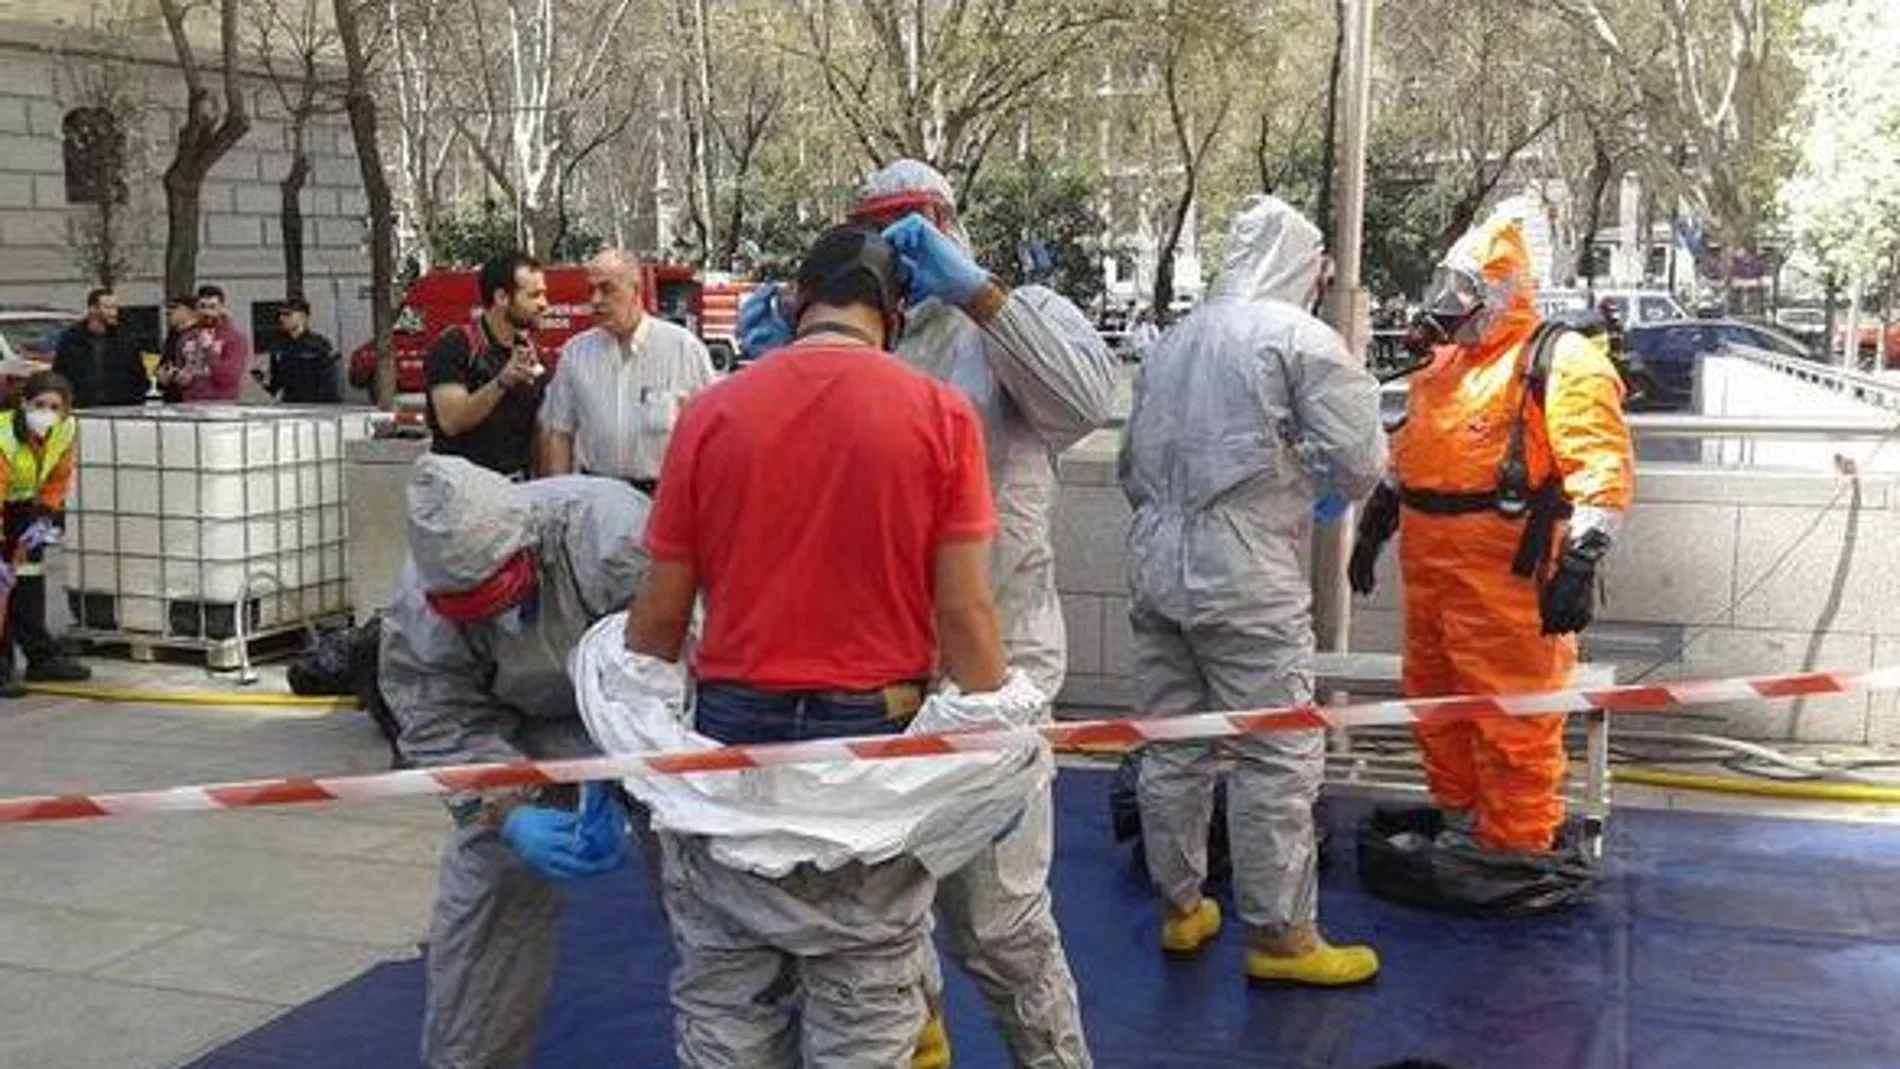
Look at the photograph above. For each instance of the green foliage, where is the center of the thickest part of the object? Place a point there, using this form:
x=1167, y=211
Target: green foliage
x=1026, y=205
x=1403, y=216
x=468, y=234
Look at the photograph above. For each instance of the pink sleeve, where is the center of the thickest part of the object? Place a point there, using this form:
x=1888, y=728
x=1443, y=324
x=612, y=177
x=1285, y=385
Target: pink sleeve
x=227, y=371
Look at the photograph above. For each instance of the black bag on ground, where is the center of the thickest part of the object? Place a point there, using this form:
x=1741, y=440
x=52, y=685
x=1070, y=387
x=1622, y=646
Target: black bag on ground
x=343, y=661
x=1400, y=859
x=366, y=644
x=323, y=666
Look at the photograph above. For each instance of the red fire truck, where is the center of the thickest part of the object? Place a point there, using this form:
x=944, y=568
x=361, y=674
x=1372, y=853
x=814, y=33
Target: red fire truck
x=449, y=297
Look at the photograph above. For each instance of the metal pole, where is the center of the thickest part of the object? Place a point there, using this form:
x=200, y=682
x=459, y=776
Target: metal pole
x=1347, y=307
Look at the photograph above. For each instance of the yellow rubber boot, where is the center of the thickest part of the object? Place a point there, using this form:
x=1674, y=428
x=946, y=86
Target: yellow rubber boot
x=1184, y=935
x=1323, y=966
x=933, y=1046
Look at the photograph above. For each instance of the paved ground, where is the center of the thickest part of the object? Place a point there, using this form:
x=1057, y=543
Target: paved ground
x=141, y=943
x=137, y=943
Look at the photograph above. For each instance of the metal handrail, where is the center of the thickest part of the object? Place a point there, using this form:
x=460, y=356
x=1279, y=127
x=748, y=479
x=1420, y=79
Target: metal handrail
x=1862, y=387
x=1672, y=425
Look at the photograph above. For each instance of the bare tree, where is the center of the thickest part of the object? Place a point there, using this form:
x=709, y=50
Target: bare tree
x=941, y=82
x=1715, y=83
x=732, y=103
x=298, y=50
x=548, y=84
x=108, y=107
x=1200, y=42
x=211, y=128
x=425, y=137
x=359, y=103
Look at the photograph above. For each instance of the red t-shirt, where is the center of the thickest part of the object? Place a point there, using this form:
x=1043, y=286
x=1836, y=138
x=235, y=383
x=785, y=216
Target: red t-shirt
x=810, y=493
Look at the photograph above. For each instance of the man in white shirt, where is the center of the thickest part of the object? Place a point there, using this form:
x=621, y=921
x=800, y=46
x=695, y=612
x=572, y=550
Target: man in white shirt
x=618, y=389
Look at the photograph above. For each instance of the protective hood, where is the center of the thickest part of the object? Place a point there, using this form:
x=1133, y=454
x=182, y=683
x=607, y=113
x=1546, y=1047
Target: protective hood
x=902, y=187
x=1495, y=254
x=1273, y=253
x=465, y=522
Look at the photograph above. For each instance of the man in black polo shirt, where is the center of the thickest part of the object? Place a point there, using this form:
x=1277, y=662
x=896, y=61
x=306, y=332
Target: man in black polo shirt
x=303, y=367
x=100, y=358
x=485, y=381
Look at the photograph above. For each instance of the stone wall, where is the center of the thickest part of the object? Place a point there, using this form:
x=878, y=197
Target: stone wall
x=1718, y=573
x=375, y=472
x=241, y=247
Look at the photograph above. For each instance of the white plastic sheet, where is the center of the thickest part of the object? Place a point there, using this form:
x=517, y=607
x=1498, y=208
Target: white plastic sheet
x=940, y=810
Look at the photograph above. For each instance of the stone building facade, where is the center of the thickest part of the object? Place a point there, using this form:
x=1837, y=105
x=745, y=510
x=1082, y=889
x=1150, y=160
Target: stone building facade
x=48, y=61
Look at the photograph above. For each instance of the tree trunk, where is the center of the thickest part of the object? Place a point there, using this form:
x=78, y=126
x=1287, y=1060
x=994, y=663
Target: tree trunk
x=703, y=176
x=183, y=183
x=1329, y=151
x=1164, y=255
x=108, y=266
x=290, y=217
x=203, y=139
x=360, y=105
x=1831, y=293
x=1601, y=166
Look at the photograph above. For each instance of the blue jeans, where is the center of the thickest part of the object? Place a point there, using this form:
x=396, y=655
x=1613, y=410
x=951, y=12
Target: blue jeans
x=736, y=715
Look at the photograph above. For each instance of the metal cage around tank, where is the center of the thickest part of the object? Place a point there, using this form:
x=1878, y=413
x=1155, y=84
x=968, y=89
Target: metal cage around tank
x=205, y=527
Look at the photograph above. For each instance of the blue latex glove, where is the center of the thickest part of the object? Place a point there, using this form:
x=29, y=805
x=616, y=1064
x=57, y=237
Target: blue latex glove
x=1329, y=507
x=762, y=325
x=563, y=845
x=602, y=843
x=938, y=267
x=38, y=535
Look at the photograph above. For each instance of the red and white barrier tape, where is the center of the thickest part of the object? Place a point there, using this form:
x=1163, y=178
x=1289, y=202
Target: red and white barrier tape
x=410, y=783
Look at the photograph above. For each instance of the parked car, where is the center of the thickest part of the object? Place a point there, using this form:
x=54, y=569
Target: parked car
x=1554, y=303
x=32, y=333
x=1809, y=325
x=1665, y=357
x=1635, y=308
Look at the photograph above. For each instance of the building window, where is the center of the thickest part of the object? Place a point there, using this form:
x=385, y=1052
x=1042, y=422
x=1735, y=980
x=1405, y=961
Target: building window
x=95, y=156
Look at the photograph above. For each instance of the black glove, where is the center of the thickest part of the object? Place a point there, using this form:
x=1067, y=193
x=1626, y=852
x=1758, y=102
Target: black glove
x=1377, y=524
x=1568, y=600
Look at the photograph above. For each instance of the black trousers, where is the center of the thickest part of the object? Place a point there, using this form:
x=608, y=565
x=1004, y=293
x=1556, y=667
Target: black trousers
x=26, y=625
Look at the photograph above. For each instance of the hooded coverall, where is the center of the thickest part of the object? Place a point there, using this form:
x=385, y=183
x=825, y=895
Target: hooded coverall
x=1041, y=380
x=1472, y=626
x=498, y=691
x=1243, y=412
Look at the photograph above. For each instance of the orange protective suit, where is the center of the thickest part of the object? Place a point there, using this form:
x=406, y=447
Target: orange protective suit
x=1472, y=626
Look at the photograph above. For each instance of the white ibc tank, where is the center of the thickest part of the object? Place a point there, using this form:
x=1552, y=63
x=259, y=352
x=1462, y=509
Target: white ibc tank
x=180, y=514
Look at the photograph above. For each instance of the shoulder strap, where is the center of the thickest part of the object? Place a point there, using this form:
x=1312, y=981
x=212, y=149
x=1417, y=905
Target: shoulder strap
x=1514, y=486
x=1543, y=352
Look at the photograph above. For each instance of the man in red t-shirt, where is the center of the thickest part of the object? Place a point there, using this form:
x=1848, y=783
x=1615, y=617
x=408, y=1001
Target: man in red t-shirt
x=833, y=507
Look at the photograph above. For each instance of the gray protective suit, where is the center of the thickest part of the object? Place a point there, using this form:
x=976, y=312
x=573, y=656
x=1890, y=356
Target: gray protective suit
x=850, y=942
x=1041, y=380
x=1242, y=412
x=485, y=692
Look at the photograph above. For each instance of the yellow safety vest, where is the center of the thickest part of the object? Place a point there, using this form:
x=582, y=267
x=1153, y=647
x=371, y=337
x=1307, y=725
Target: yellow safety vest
x=27, y=467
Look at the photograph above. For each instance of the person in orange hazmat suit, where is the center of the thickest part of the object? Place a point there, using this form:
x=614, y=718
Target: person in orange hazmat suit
x=1513, y=472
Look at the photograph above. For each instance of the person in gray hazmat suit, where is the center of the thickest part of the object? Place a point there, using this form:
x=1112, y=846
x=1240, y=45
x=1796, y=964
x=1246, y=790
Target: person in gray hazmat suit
x=1246, y=414
x=502, y=581
x=1041, y=380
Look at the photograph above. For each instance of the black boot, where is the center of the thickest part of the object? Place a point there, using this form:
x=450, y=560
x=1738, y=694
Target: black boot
x=11, y=687
x=58, y=669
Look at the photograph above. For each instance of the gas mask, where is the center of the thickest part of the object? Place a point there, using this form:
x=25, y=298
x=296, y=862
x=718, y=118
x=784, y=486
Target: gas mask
x=1455, y=307
x=872, y=256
